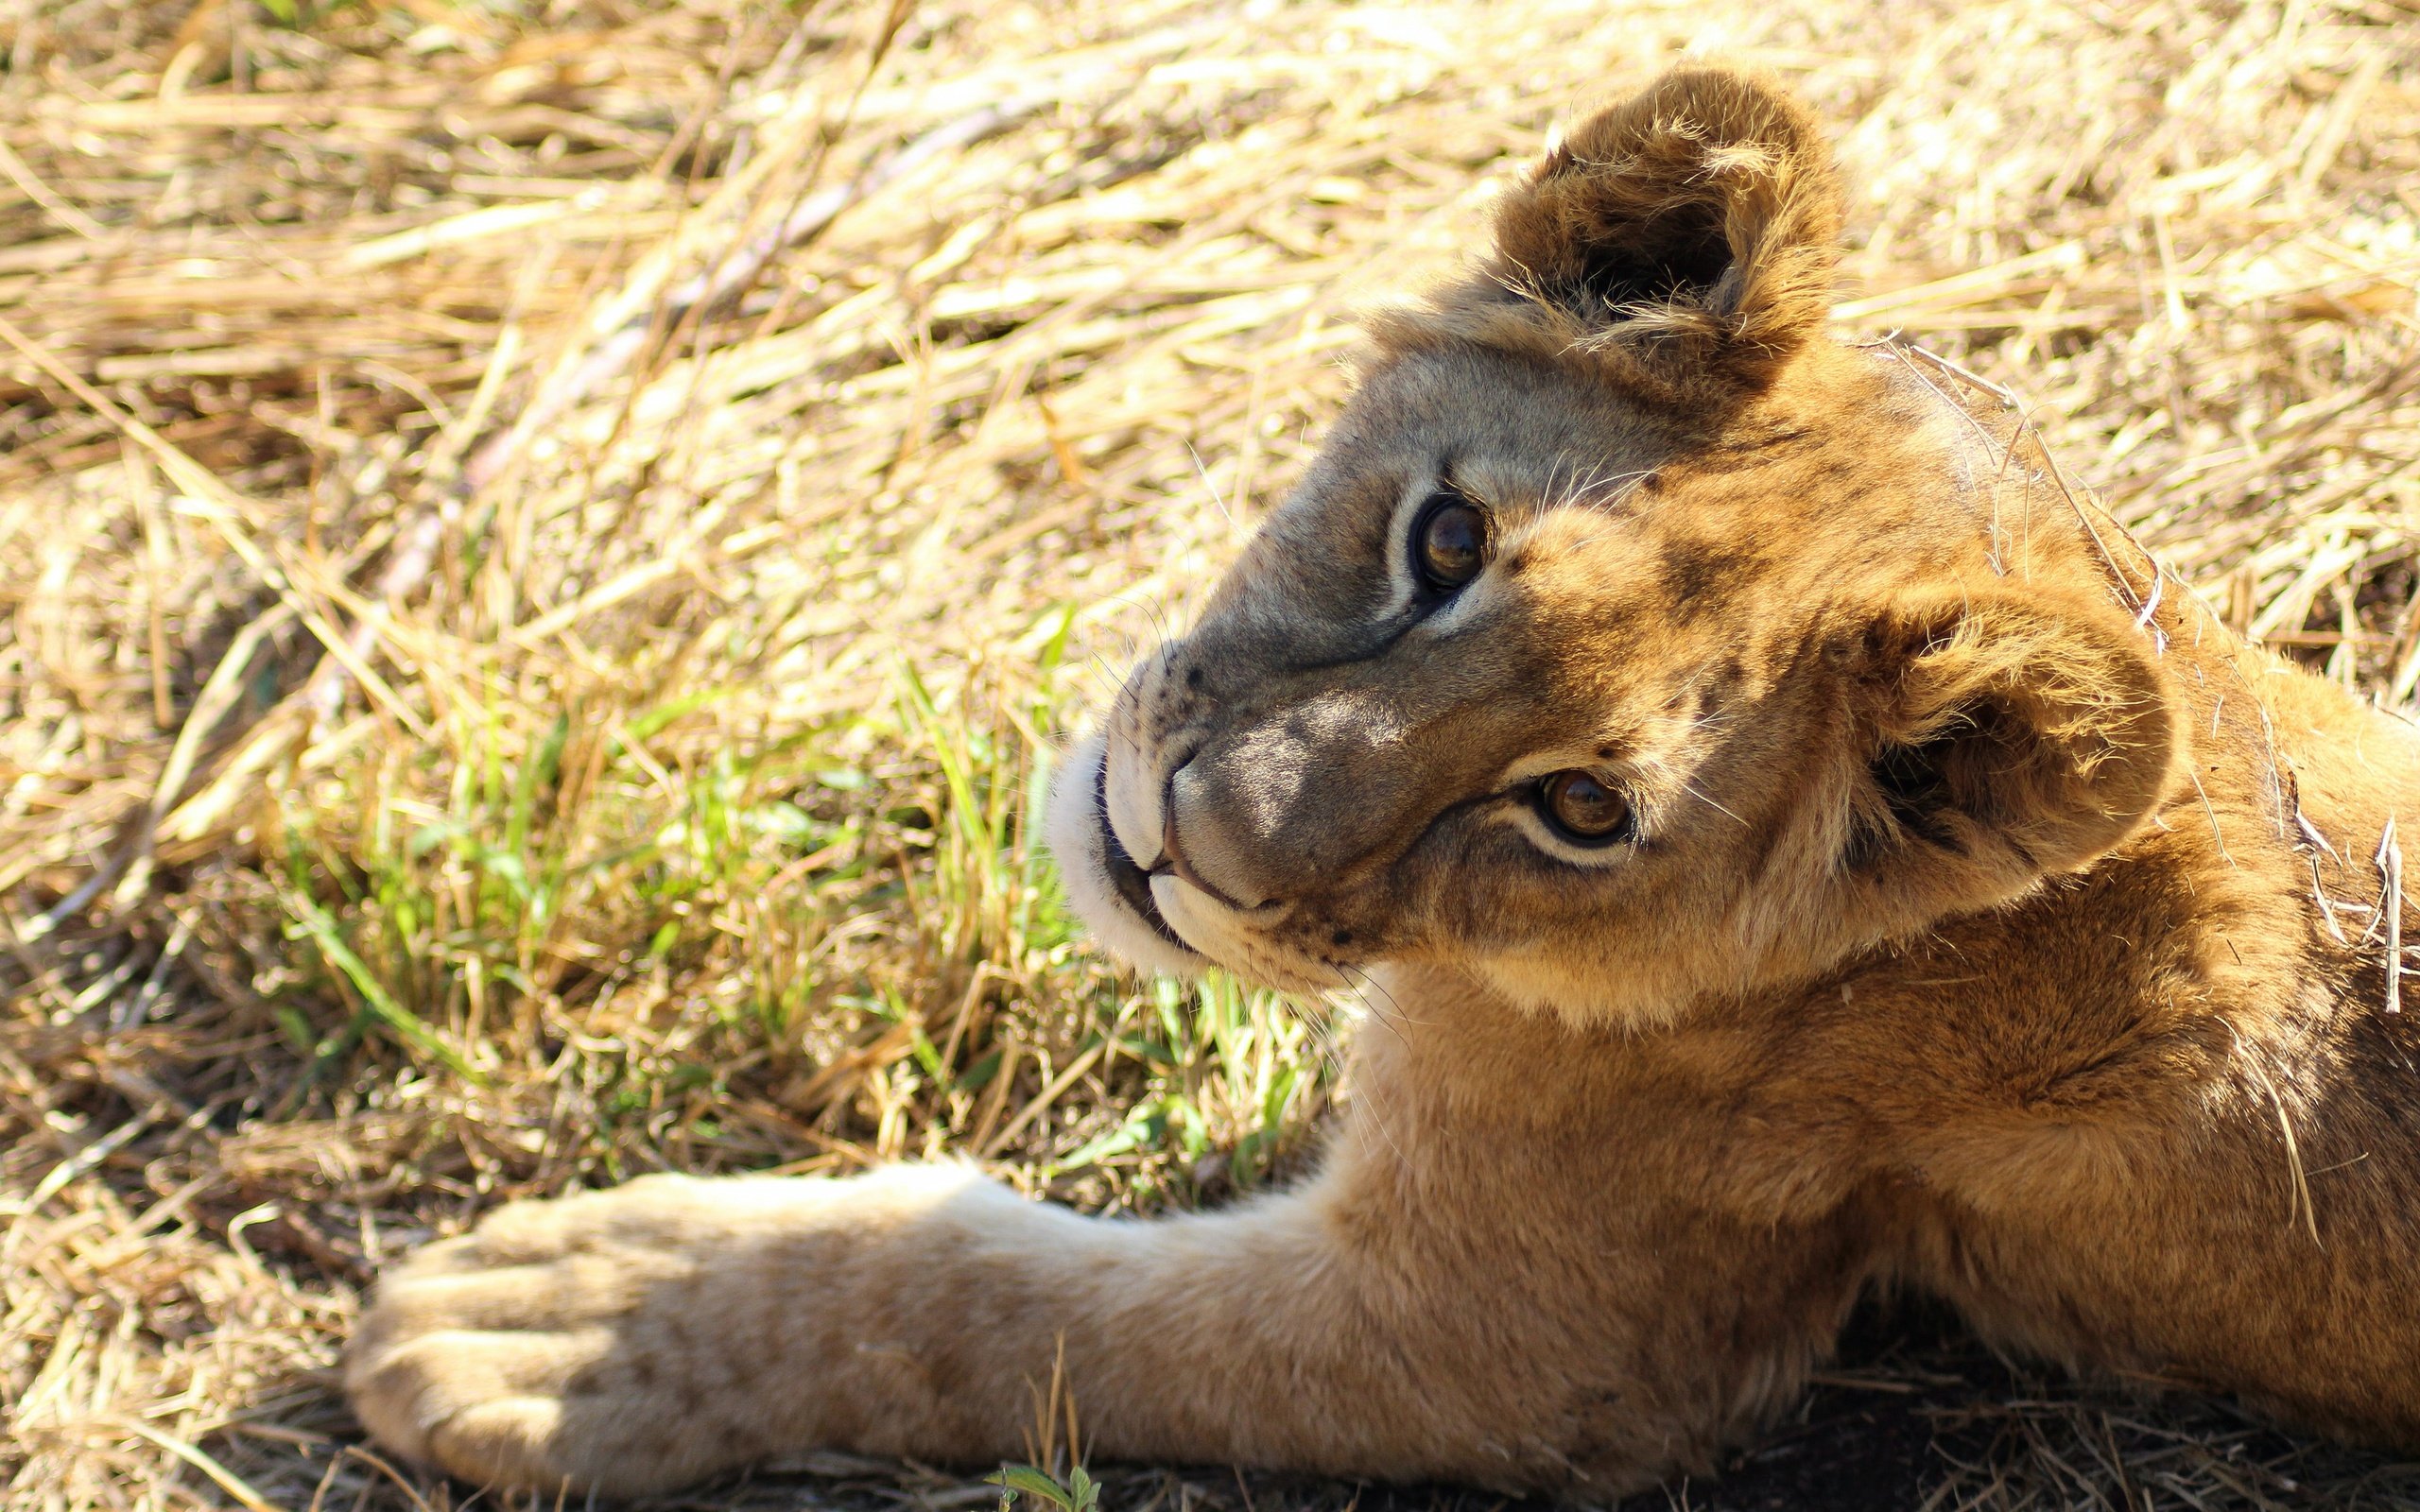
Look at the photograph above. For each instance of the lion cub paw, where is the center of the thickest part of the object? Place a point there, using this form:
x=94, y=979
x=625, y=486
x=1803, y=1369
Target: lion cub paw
x=620, y=1342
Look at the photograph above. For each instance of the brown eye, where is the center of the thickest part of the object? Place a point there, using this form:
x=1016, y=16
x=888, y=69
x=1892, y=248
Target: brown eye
x=1450, y=542
x=1581, y=809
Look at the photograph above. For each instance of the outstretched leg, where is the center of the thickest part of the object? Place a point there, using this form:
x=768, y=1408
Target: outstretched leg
x=1456, y=1297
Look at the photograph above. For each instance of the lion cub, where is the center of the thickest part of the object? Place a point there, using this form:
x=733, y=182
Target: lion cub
x=1799, y=849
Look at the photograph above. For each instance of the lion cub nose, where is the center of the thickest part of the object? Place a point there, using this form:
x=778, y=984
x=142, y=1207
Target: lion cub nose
x=1201, y=842
x=1174, y=861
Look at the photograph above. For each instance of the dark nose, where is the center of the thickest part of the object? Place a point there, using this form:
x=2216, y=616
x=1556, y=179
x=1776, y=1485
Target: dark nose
x=1222, y=815
x=1280, y=807
x=1173, y=859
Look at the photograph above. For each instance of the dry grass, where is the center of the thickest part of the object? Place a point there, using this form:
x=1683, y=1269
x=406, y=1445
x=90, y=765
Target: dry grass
x=481, y=720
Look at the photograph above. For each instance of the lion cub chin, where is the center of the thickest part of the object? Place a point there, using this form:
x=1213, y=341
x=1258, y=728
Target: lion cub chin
x=1794, y=847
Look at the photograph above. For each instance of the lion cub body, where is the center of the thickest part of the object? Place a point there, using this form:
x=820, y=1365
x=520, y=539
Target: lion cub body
x=1954, y=905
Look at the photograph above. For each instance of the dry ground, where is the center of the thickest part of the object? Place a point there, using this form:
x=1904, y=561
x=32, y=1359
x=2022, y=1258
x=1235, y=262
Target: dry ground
x=540, y=543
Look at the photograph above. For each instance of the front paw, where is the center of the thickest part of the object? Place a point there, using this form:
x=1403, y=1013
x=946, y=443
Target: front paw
x=619, y=1342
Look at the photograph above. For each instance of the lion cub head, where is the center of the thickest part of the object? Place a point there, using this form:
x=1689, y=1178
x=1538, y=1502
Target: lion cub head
x=1631, y=639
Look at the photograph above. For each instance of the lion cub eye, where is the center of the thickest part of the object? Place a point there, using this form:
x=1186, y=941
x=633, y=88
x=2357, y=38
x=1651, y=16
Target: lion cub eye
x=1581, y=809
x=1450, y=542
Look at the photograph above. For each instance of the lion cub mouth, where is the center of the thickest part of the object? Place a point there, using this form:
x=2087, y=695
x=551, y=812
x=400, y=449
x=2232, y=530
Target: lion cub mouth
x=1158, y=919
x=1133, y=882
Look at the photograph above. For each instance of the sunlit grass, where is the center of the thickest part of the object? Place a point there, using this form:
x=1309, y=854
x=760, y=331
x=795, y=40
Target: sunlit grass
x=848, y=929
x=690, y=828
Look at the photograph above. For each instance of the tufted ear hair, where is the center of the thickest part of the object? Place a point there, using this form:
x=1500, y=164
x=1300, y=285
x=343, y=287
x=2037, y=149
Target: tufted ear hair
x=2003, y=734
x=1692, y=229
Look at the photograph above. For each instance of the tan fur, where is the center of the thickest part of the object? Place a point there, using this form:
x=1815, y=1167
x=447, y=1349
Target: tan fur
x=1967, y=941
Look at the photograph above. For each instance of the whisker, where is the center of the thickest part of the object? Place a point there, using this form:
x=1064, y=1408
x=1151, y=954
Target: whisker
x=1377, y=1113
x=1690, y=788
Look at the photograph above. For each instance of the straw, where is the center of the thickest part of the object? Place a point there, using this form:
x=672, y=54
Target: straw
x=543, y=544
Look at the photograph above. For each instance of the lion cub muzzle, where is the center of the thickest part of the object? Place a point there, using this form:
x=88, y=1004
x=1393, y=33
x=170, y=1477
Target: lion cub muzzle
x=1230, y=832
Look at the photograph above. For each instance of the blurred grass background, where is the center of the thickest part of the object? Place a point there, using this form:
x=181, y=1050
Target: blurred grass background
x=544, y=546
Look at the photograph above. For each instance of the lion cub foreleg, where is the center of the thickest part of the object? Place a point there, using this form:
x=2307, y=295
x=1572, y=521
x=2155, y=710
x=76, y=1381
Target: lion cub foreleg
x=636, y=1339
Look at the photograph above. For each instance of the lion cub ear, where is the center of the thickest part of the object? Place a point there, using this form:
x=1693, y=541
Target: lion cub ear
x=1692, y=230
x=2003, y=734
